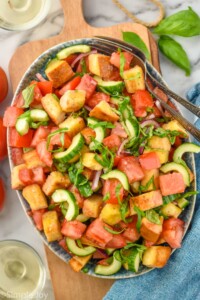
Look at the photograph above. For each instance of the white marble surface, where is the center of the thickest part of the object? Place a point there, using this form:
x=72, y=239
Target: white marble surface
x=13, y=222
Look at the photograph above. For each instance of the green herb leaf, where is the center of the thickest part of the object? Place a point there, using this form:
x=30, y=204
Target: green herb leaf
x=124, y=209
x=106, y=197
x=83, y=66
x=140, y=215
x=144, y=188
x=58, y=131
x=174, y=52
x=122, y=63
x=103, y=124
x=183, y=23
x=113, y=231
x=117, y=193
x=171, y=134
x=107, y=157
x=153, y=216
x=28, y=95
x=134, y=39
x=138, y=246
x=60, y=166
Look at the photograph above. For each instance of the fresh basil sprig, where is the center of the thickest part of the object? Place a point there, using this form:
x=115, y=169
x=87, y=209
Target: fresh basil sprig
x=28, y=95
x=183, y=23
x=175, y=52
x=134, y=39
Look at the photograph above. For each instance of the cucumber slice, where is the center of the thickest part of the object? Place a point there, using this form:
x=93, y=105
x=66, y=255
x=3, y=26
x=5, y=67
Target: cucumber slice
x=72, y=246
x=39, y=115
x=118, y=175
x=172, y=166
x=99, y=131
x=22, y=126
x=110, y=87
x=132, y=127
x=73, y=150
x=186, y=147
x=182, y=203
x=113, y=268
x=73, y=49
x=134, y=262
x=61, y=195
x=51, y=62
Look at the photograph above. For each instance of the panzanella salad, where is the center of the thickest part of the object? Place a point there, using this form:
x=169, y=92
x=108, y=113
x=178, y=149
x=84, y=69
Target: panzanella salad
x=100, y=162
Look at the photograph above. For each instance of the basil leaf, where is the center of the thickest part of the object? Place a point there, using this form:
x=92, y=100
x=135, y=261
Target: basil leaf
x=140, y=214
x=122, y=63
x=124, y=210
x=153, y=217
x=144, y=188
x=113, y=231
x=183, y=23
x=58, y=131
x=28, y=95
x=134, y=39
x=106, y=197
x=189, y=194
x=174, y=52
x=138, y=246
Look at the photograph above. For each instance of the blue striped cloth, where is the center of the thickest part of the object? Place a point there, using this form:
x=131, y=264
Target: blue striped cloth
x=180, y=278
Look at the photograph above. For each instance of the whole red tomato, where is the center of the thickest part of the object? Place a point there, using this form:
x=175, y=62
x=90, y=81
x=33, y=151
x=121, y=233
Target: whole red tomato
x=3, y=144
x=2, y=194
x=3, y=85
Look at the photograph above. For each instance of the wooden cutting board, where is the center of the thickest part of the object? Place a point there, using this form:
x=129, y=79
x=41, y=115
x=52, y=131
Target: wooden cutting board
x=67, y=284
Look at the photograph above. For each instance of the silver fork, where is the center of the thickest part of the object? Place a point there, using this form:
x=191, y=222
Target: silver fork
x=108, y=45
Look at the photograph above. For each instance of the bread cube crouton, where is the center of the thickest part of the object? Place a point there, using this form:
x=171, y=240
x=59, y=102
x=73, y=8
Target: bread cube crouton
x=99, y=64
x=148, y=175
x=74, y=125
x=72, y=100
x=110, y=214
x=89, y=161
x=175, y=125
x=52, y=107
x=59, y=72
x=51, y=226
x=146, y=201
x=35, y=196
x=78, y=262
x=92, y=206
x=150, y=231
x=32, y=160
x=171, y=210
x=134, y=79
x=156, y=256
x=103, y=111
x=156, y=142
x=16, y=183
x=55, y=180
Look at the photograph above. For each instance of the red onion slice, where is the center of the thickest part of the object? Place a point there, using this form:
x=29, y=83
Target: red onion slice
x=40, y=77
x=121, y=147
x=96, y=180
x=82, y=55
x=149, y=122
x=141, y=150
x=150, y=117
x=88, y=108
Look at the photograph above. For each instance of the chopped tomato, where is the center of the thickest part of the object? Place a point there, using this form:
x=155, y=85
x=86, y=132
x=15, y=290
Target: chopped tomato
x=87, y=84
x=40, y=134
x=44, y=154
x=131, y=167
x=37, y=217
x=141, y=100
x=110, y=190
x=17, y=156
x=88, y=133
x=178, y=141
x=171, y=184
x=115, y=75
x=119, y=130
x=26, y=176
x=46, y=87
x=77, y=195
x=38, y=175
x=112, y=142
x=2, y=194
x=104, y=262
x=57, y=139
x=3, y=85
x=131, y=234
x=96, y=98
x=10, y=116
x=115, y=59
x=97, y=233
x=19, y=141
x=71, y=58
x=118, y=241
x=3, y=140
x=149, y=161
x=160, y=94
x=100, y=254
x=173, y=230
x=71, y=85
x=156, y=112
x=148, y=244
x=73, y=229
x=117, y=159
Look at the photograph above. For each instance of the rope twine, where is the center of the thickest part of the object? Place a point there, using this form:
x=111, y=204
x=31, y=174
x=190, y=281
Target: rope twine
x=135, y=19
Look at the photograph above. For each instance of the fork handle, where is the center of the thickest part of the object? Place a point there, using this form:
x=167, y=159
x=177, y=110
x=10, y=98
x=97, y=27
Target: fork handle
x=186, y=124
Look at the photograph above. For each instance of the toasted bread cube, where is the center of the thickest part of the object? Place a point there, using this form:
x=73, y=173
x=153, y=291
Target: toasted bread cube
x=134, y=79
x=59, y=72
x=156, y=256
x=148, y=175
x=171, y=210
x=72, y=100
x=150, y=231
x=89, y=161
x=32, y=160
x=55, y=180
x=35, y=196
x=103, y=111
x=157, y=142
x=16, y=183
x=99, y=64
x=110, y=214
x=92, y=206
x=162, y=154
x=175, y=125
x=146, y=201
x=51, y=226
x=52, y=107
x=74, y=125
x=78, y=262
